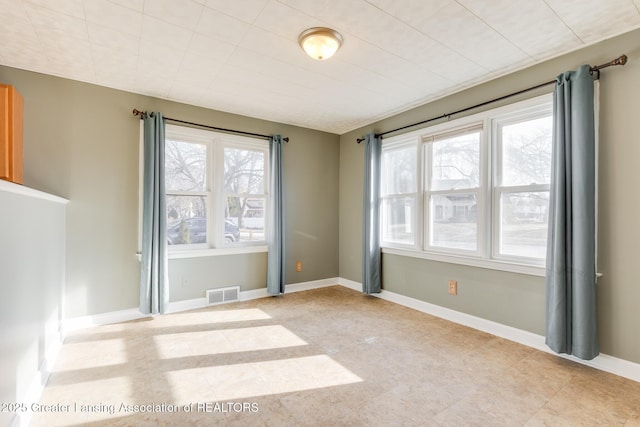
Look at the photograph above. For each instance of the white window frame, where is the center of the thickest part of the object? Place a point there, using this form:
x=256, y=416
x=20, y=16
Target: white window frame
x=196, y=136
x=240, y=142
x=215, y=143
x=485, y=256
x=524, y=114
x=416, y=225
x=480, y=191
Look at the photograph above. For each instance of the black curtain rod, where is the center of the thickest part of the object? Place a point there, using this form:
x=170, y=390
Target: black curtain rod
x=621, y=60
x=137, y=112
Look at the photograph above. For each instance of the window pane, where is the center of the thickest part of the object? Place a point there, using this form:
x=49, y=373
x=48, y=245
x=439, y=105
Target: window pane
x=456, y=162
x=244, y=219
x=454, y=221
x=243, y=171
x=186, y=220
x=185, y=166
x=523, y=224
x=526, y=152
x=397, y=220
x=399, y=171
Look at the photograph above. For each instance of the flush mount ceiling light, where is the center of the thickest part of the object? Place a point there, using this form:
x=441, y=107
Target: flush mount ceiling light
x=320, y=43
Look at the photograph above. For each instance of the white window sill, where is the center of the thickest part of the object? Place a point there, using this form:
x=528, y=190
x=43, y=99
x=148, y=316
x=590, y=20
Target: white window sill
x=472, y=262
x=200, y=253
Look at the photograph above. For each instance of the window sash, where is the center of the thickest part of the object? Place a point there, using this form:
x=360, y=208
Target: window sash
x=429, y=160
x=499, y=123
x=394, y=148
x=186, y=136
x=431, y=219
x=498, y=237
x=223, y=196
x=413, y=234
x=429, y=195
x=389, y=229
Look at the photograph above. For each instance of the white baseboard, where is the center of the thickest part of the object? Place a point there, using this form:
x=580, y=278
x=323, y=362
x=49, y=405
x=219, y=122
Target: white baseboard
x=350, y=284
x=190, y=304
x=102, y=319
x=178, y=306
x=39, y=380
x=603, y=362
x=314, y=284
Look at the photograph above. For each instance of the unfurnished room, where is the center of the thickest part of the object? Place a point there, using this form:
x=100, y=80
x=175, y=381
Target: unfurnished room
x=319, y=213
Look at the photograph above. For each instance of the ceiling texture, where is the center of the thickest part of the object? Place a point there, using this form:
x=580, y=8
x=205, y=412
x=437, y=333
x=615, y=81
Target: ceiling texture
x=242, y=56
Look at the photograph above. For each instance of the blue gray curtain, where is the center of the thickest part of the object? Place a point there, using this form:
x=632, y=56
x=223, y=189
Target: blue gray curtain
x=571, y=269
x=276, y=255
x=371, y=257
x=154, y=281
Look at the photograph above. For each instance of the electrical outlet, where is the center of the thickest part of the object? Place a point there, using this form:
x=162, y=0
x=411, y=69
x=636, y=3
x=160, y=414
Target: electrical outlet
x=298, y=266
x=453, y=287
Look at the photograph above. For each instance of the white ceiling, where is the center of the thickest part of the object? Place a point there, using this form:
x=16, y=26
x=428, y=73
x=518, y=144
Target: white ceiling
x=242, y=56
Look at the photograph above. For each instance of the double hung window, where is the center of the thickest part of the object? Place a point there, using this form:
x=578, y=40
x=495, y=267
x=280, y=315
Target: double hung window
x=216, y=189
x=475, y=188
x=453, y=187
x=522, y=178
x=399, y=192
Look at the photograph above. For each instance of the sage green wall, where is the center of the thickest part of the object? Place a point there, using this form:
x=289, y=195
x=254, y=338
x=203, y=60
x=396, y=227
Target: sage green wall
x=513, y=299
x=81, y=142
x=311, y=235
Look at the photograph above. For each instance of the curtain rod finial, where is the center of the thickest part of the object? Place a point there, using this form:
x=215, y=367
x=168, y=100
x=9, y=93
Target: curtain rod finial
x=622, y=60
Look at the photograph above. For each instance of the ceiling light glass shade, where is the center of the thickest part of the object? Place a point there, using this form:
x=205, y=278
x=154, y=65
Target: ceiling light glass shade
x=320, y=43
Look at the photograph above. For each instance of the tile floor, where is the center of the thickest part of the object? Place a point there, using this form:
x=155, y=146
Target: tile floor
x=325, y=357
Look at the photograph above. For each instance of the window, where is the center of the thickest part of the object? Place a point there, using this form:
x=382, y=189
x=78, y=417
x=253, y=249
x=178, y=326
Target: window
x=244, y=192
x=188, y=191
x=452, y=190
x=522, y=185
x=475, y=188
x=399, y=194
x=216, y=189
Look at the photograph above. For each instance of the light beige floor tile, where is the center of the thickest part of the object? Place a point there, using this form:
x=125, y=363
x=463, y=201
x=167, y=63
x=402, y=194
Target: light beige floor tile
x=326, y=357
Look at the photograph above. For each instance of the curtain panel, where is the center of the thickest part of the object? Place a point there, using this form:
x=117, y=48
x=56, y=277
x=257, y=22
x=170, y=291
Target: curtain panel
x=571, y=264
x=276, y=256
x=154, y=278
x=371, y=257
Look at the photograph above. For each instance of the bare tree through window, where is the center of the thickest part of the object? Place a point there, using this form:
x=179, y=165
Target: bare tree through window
x=186, y=184
x=244, y=187
x=455, y=182
x=525, y=174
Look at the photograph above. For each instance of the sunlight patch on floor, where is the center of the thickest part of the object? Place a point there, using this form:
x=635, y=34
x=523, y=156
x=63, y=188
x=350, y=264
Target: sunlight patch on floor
x=93, y=354
x=245, y=380
x=98, y=400
x=210, y=317
x=201, y=343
